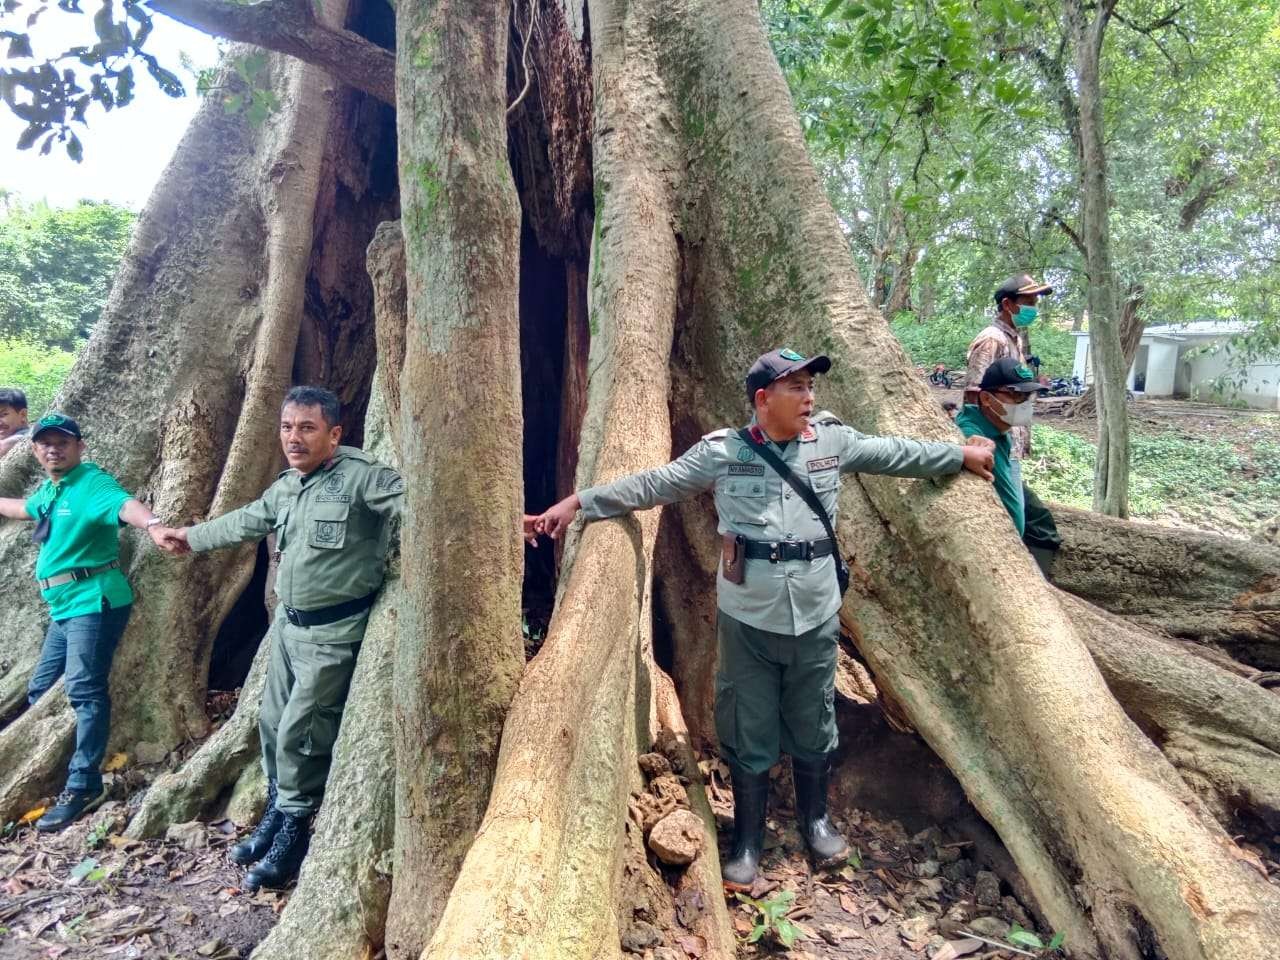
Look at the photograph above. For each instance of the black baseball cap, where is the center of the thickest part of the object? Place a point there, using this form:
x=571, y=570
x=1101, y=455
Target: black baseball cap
x=1010, y=374
x=57, y=422
x=777, y=364
x=1022, y=285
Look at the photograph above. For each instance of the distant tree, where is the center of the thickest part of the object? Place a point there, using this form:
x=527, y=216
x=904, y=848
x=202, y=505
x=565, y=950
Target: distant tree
x=56, y=267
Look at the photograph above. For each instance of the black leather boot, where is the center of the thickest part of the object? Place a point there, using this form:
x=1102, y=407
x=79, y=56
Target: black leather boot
x=255, y=846
x=750, y=800
x=824, y=840
x=278, y=868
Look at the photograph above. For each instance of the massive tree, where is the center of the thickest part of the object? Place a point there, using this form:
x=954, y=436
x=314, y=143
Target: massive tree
x=605, y=211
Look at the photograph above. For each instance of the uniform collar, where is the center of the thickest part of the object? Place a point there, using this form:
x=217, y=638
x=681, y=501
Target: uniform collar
x=760, y=437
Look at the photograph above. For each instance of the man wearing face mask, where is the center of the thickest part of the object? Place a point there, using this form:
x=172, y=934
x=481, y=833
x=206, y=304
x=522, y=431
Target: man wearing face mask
x=1007, y=338
x=1004, y=402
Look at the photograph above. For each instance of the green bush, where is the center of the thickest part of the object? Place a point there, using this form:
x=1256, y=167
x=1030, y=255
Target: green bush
x=947, y=341
x=1200, y=479
x=35, y=369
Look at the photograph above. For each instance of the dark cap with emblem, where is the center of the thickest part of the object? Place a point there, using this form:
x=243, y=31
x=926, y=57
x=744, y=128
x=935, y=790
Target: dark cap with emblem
x=777, y=364
x=1010, y=374
x=1022, y=285
x=57, y=423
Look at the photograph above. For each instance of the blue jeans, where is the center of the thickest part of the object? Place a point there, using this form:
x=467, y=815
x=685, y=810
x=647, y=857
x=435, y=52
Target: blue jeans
x=82, y=647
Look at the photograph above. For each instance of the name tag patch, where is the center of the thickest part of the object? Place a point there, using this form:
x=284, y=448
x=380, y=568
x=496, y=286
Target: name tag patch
x=340, y=498
x=746, y=469
x=823, y=463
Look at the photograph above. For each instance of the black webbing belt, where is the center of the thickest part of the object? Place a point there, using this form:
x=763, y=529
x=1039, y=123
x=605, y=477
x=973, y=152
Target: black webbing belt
x=776, y=551
x=339, y=611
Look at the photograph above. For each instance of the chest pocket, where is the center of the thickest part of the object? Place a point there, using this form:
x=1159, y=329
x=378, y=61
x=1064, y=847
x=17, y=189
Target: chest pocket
x=742, y=499
x=282, y=521
x=327, y=525
x=826, y=484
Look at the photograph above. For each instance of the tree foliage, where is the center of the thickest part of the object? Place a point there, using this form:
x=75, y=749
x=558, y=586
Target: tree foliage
x=946, y=135
x=56, y=268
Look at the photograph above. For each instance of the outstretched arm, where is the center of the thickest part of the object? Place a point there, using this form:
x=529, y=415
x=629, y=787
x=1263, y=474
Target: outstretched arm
x=14, y=508
x=680, y=479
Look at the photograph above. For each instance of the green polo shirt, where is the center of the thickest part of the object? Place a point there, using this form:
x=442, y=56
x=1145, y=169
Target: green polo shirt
x=972, y=422
x=85, y=507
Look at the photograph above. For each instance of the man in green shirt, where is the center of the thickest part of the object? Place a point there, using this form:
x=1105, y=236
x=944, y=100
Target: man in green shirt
x=78, y=511
x=778, y=597
x=329, y=514
x=1003, y=401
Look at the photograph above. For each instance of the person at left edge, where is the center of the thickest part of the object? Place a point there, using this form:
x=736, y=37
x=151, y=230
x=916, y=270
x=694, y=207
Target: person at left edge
x=78, y=511
x=330, y=513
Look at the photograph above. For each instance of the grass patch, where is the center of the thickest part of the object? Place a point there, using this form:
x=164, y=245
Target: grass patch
x=1205, y=481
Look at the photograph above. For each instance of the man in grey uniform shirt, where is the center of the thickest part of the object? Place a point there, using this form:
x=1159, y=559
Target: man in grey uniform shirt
x=778, y=623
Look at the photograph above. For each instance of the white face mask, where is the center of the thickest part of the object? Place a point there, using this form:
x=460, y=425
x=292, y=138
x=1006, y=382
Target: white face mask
x=1019, y=414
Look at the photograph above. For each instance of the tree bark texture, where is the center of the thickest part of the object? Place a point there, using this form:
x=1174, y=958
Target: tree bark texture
x=228, y=235
x=461, y=650
x=1111, y=469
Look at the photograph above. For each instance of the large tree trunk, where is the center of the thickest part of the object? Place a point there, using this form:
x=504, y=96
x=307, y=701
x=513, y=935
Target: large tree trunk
x=181, y=408
x=461, y=651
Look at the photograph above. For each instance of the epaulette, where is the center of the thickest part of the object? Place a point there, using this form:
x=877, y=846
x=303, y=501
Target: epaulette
x=827, y=418
x=355, y=453
x=722, y=434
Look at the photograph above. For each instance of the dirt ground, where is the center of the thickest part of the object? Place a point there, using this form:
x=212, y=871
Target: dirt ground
x=88, y=892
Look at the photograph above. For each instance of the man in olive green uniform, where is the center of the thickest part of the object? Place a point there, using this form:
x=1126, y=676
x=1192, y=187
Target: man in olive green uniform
x=329, y=513
x=778, y=623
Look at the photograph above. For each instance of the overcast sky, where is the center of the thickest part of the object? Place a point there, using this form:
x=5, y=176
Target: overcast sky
x=125, y=151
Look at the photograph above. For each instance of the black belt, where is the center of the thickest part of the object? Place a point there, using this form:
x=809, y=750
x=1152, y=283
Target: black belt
x=339, y=611
x=777, y=550
x=76, y=575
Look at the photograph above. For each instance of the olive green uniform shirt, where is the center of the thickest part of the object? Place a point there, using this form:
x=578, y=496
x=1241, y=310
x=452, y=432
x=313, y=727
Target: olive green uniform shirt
x=751, y=499
x=331, y=534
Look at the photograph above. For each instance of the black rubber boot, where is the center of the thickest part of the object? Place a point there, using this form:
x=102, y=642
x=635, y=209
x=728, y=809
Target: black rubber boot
x=255, y=846
x=825, y=842
x=70, y=806
x=282, y=862
x=750, y=800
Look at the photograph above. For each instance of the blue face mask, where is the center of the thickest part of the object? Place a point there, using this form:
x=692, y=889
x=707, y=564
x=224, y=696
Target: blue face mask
x=1025, y=316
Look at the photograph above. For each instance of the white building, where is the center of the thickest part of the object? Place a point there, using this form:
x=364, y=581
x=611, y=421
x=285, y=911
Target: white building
x=1183, y=360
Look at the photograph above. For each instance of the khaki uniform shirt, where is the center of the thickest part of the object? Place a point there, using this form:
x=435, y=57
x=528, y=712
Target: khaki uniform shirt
x=995, y=342
x=754, y=501
x=331, y=534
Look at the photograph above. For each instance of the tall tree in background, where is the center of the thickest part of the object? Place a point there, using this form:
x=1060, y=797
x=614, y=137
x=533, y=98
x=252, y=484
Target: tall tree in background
x=56, y=268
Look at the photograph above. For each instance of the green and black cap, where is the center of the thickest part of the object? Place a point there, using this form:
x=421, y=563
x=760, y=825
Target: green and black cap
x=777, y=364
x=1010, y=374
x=57, y=423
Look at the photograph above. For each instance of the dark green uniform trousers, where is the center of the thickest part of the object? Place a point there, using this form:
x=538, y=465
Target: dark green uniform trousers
x=775, y=692
x=306, y=689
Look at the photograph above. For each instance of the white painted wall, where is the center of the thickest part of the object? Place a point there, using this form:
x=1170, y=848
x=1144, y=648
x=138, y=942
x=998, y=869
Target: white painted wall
x=1162, y=367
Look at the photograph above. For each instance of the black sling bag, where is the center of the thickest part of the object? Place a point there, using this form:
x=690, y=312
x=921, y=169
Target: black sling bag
x=808, y=496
